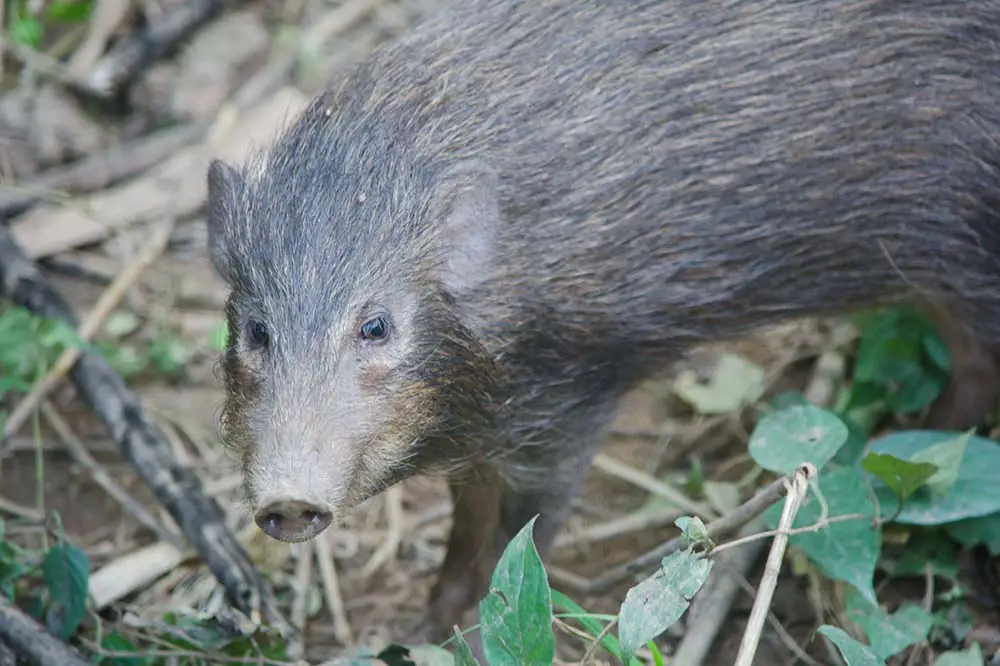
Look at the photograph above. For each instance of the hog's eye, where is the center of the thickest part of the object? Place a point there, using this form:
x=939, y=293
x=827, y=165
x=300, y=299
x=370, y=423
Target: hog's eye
x=257, y=334
x=375, y=329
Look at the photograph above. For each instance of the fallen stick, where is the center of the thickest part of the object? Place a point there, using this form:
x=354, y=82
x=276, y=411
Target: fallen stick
x=98, y=171
x=133, y=571
x=176, y=188
x=108, y=301
x=393, y=503
x=137, y=51
x=142, y=443
x=331, y=588
x=652, y=485
x=640, y=520
x=721, y=527
x=123, y=161
x=796, y=491
x=29, y=640
x=710, y=608
x=101, y=477
x=7, y=656
x=300, y=588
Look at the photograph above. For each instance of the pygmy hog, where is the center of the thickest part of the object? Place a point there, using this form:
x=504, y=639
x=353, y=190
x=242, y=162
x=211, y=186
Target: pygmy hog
x=462, y=257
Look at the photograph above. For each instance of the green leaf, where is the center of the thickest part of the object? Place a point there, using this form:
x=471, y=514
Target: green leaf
x=893, y=341
x=784, y=400
x=516, y=615
x=693, y=529
x=853, y=652
x=608, y=641
x=656, y=603
x=953, y=623
x=973, y=493
x=115, y=642
x=121, y=323
x=219, y=339
x=28, y=31
x=864, y=396
x=734, y=383
x=947, y=456
x=125, y=358
x=13, y=384
x=169, y=353
x=69, y=12
x=901, y=350
x=846, y=550
x=782, y=441
x=859, y=424
x=463, y=653
x=886, y=350
x=193, y=632
x=66, y=571
x=11, y=567
x=395, y=654
x=937, y=352
x=888, y=634
x=57, y=336
x=654, y=651
x=914, y=395
x=924, y=547
x=903, y=476
x=971, y=657
x=695, y=481
x=974, y=531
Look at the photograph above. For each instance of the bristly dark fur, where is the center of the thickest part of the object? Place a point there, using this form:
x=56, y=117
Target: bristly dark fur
x=666, y=172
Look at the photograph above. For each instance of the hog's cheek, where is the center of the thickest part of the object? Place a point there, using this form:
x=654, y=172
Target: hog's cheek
x=378, y=437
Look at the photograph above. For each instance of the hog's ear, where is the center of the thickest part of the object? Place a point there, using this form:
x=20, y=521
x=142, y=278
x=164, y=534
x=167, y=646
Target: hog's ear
x=223, y=185
x=468, y=215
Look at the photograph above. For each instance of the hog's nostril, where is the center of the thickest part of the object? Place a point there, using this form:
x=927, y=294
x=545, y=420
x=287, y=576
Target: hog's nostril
x=293, y=520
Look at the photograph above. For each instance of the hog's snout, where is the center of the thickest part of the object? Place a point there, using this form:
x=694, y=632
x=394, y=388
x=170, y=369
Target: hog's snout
x=292, y=520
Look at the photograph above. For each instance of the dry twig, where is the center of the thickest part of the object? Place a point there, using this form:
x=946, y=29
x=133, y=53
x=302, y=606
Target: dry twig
x=134, y=571
x=105, y=305
x=712, y=604
x=642, y=519
x=300, y=588
x=393, y=503
x=99, y=171
x=26, y=512
x=105, y=17
x=28, y=639
x=716, y=529
x=796, y=494
x=710, y=607
x=331, y=587
x=130, y=56
x=653, y=485
x=178, y=489
x=83, y=458
x=38, y=62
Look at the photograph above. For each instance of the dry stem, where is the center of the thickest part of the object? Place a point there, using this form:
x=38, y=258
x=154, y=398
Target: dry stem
x=795, y=495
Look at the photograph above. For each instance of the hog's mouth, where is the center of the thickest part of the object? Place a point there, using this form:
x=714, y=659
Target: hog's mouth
x=389, y=477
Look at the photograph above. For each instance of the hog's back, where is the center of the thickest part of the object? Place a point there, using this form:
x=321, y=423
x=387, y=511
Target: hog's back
x=674, y=171
x=700, y=167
